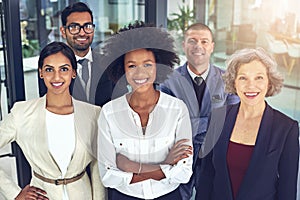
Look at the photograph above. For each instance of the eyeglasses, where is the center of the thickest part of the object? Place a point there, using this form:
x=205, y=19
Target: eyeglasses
x=75, y=28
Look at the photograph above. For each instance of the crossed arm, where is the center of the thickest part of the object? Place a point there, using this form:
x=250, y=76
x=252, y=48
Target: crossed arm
x=142, y=171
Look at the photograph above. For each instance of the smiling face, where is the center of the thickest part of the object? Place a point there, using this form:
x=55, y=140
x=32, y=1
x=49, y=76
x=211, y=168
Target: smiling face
x=198, y=46
x=252, y=83
x=81, y=41
x=140, y=69
x=57, y=73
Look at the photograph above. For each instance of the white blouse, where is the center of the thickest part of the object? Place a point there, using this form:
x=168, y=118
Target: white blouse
x=120, y=131
x=61, y=141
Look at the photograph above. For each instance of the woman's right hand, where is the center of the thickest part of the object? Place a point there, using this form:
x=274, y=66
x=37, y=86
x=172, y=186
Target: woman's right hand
x=178, y=152
x=31, y=193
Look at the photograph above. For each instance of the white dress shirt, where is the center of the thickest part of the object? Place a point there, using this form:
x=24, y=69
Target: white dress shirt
x=61, y=141
x=120, y=131
x=203, y=75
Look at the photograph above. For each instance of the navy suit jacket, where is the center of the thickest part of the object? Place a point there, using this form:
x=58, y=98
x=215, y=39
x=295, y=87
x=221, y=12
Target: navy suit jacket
x=273, y=167
x=179, y=84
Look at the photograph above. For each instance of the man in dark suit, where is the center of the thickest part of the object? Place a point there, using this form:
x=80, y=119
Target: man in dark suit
x=199, y=84
x=78, y=30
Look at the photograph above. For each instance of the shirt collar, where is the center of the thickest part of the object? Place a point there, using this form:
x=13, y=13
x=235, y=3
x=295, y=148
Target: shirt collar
x=88, y=56
x=193, y=75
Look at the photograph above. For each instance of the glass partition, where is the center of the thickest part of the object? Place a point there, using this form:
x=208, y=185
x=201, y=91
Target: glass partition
x=8, y=162
x=40, y=23
x=249, y=24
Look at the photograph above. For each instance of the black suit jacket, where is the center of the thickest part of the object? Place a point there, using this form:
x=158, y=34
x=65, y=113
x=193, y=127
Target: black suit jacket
x=273, y=168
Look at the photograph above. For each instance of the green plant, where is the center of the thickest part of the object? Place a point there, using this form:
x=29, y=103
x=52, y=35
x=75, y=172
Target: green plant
x=180, y=21
x=30, y=48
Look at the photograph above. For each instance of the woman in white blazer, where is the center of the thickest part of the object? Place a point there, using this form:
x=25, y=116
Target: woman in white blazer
x=56, y=134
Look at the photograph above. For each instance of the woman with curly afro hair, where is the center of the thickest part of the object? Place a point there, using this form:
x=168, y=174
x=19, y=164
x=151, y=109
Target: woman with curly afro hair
x=144, y=140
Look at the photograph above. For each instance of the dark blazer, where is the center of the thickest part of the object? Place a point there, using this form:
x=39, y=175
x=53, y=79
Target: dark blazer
x=273, y=168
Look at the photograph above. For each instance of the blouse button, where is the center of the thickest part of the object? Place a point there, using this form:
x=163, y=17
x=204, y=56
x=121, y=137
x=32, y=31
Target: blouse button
x=121, y=144
x=184, y=162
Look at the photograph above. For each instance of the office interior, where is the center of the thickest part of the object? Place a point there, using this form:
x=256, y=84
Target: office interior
x=28, y=25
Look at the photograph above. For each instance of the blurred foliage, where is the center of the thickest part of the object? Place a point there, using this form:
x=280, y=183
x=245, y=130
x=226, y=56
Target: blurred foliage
x=30, y=48
x=181, y=20
x=178, y=23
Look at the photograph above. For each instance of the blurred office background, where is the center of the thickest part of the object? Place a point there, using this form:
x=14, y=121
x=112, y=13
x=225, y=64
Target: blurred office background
x=28, y=25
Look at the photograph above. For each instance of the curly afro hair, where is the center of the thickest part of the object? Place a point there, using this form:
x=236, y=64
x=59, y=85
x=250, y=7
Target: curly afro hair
x=139, y=35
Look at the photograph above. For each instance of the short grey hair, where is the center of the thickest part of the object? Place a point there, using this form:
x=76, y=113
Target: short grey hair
x=245, y=56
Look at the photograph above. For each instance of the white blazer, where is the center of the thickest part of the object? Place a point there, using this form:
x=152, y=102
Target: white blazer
x=26, y=124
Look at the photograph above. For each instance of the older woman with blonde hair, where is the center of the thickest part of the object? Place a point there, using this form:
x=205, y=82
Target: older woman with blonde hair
x=256, y=154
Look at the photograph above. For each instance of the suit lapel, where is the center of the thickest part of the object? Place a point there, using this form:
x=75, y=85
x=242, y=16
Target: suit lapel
x=83, y=139
x=190, y=94
x=259, y=152
x=209, y=90
x=208, y=93
x=41, y=139
x=224, y=140
x=77, y=128
x=96, y=73
x=78, y=91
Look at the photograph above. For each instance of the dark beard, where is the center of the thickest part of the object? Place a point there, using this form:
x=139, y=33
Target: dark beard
x=81, y=47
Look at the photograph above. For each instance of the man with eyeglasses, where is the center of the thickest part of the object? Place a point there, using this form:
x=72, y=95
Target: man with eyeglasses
x=78, y=30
